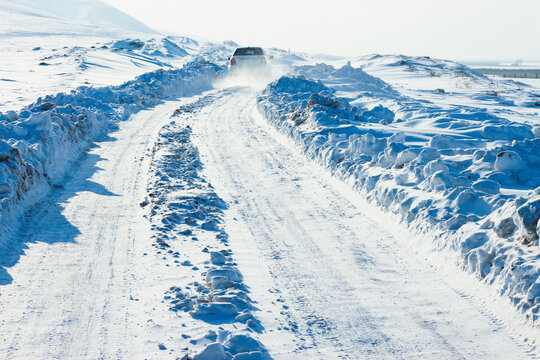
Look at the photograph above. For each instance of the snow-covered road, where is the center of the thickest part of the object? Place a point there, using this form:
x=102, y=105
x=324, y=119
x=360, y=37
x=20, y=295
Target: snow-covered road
x=321, y=264
x=84, y=288
x=330, y=278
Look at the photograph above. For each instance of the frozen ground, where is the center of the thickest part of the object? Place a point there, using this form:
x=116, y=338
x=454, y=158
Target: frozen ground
x=377, y=207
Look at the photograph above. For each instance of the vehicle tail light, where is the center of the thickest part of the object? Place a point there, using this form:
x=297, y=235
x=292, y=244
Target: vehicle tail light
x=233, y=61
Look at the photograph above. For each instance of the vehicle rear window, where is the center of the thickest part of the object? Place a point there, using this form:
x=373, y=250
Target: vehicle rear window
x=248, y=51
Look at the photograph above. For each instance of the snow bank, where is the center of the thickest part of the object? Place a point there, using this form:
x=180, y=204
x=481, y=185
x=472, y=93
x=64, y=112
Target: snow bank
x=348, y=79
x=154, y=47
x=467, y=178
x=420, y=65
x=38, y=142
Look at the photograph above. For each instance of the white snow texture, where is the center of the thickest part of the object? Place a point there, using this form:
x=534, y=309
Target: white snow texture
x=466, y=177
x=37, y=143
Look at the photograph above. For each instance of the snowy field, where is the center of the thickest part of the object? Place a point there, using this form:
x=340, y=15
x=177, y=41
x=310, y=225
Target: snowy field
x=384, y=206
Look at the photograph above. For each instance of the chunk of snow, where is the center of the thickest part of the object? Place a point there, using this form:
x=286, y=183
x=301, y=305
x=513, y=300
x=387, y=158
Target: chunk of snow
x=229, y=272
x=242, y=343
x=509, y=161
x=217, y=258
x=216, y=309
x=212, y=351
x=487, y=186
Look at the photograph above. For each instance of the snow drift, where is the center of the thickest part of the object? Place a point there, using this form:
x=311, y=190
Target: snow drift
x=37, y=143
x=467, y=178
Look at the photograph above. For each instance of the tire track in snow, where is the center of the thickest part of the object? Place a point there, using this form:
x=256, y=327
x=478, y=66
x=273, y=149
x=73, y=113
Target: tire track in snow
x=318, y=254
x=187, y=215
x=331, y=258
x=71, y=292
x=310, y=311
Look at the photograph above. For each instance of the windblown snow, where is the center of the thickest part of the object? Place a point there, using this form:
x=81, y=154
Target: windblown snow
x=243, y=207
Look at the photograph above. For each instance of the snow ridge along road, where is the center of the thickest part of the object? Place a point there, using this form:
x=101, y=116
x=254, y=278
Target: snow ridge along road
x=346, y=287
x=84, y=289
x=187, y=227
x=467, y=182
x=38, y=143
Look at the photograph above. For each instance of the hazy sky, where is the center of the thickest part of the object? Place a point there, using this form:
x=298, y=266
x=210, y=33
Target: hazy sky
x=457, y=29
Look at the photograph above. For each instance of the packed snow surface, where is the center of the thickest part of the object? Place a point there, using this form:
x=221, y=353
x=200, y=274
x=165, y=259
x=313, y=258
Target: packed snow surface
x=336, y=277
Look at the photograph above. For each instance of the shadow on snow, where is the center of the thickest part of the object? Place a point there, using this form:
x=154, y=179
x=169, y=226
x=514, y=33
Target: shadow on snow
x=44, y=222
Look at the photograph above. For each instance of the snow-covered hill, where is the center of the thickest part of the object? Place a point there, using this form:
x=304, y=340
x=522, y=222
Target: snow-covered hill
x=92, y=13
